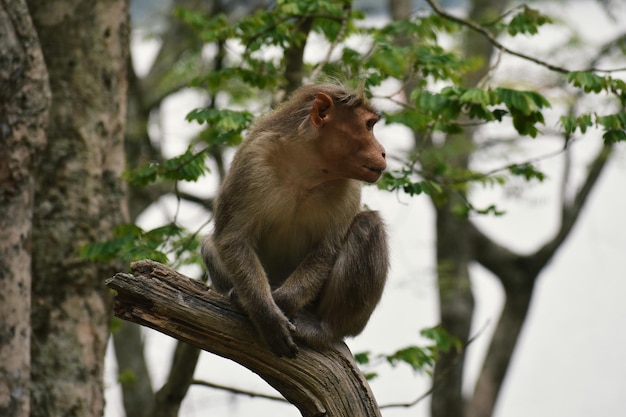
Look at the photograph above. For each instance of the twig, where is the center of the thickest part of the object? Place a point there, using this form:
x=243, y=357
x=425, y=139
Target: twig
x=487, y=34
x=237, y=390
x=347, y=9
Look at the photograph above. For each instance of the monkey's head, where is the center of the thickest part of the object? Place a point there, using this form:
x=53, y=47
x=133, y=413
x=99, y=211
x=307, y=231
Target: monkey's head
x=345, y=137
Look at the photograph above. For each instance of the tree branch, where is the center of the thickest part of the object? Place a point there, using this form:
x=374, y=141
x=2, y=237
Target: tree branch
x=294, y=54
x=318, y=383
x=237, y=390
x=487, y=34
x=570, y=211
x=347, y=10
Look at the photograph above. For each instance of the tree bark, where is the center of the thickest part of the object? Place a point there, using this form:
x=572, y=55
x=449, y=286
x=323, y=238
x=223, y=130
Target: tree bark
x=317, y=383
x=294, y=55
x=79, y=199
x=24, y=102
x=454, y=240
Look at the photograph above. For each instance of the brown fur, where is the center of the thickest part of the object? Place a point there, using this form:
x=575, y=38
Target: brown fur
x=290, y=240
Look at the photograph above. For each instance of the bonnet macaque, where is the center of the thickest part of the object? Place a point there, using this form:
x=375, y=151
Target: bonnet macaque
x=290, y=243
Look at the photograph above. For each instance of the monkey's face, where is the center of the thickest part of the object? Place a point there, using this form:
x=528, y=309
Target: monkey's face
x=349, y=146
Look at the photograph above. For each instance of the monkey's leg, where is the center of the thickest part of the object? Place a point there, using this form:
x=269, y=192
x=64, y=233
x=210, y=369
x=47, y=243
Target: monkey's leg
x=219, y=279
x=305, y=284
x=354, y=286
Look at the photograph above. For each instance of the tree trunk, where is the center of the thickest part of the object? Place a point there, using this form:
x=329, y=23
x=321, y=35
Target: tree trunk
x=454, y=239
x=24, y=102
x=457, y=307
x=325, y=383
x=79, y=199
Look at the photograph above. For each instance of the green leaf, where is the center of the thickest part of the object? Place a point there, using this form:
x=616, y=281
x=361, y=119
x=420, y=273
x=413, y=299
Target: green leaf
x=613, y=121
x=416, y=357
x=572, y=123
x=414, y=120
x=189, y=166
x=588, y=81
x=131, y=243
x=613, y=136
x=491, y=209
x=391, y=60
x=528, y=171
x=370, y=375
x=444, y=341
x=400, y=180
x=527, y=21
x=362, y=358
x=475, y=95
x=126, y=376
x=525, y=102
x=222, y=119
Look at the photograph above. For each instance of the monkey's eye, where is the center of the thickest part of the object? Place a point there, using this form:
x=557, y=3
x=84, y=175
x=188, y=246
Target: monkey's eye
x=370, y=123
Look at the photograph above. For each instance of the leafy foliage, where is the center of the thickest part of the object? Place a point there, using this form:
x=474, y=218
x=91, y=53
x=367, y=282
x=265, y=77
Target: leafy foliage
x=188, y=166
x=528, y=171
x=400, y=180
x=527, y=21
x=431, y=99
x=131, y=243
x=419, y=358
x=424, y=358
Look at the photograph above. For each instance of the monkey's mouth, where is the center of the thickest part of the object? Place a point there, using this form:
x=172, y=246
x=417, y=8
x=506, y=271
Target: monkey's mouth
x=379, y=171
x=373, y=175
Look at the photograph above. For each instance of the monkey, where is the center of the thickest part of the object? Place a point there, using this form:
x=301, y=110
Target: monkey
x=290, y=243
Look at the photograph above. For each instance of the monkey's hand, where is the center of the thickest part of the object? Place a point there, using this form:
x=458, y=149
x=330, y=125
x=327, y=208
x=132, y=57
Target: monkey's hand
x=285, y=301
x=277, y=331
x=234, y=298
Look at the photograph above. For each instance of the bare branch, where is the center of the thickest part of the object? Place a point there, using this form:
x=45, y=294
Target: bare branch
x=571, y=210
x=318, y=383
x=237, y=390
x=347, y=9
x=487, y=34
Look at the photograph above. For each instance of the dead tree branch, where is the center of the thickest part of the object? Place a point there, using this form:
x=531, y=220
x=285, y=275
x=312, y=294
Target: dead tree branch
x=318, y=383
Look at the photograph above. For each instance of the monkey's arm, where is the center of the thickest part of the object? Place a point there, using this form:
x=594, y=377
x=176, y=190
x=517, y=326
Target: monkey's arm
x=253, y=292
x=305, y=283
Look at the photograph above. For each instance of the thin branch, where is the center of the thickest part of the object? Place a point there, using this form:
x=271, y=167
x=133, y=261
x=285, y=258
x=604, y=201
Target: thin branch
x=410, y=404
x=347, y=9
x=206, y=203
x=491, y=38
x=170, y=396
x=237, y=391
x=570, y=211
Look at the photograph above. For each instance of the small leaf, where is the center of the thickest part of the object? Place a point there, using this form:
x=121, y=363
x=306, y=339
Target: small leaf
x=527, y=21
x=613, y=136
x=362, y=358
x=588, y=81
x=528, y=171
x=416, y=357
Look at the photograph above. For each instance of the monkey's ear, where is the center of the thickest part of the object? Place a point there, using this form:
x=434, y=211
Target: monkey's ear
x=322, y=107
